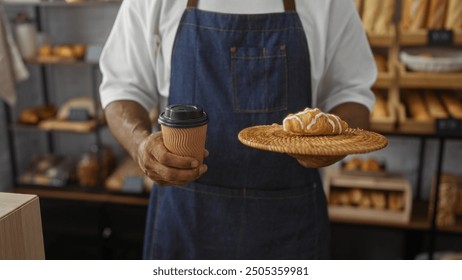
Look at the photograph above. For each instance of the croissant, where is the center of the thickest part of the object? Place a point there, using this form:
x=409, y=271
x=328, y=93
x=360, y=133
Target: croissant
x=314, y=122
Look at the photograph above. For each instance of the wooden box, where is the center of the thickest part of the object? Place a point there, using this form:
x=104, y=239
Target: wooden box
x=386, y=123
x=21, y=236
x=380, y=184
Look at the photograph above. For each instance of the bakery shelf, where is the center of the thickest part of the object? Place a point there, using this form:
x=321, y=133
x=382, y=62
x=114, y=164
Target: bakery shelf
x=428, y=80
x=60, y=62
x=68, y=126
x=382, y=40
x=420, y=37
x=407, y=125
x=80, y=194
x=78, y=129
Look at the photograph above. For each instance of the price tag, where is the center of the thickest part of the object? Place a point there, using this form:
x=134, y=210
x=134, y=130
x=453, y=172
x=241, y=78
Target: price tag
x=440, y=37
x=78, y=114
x=449, y=127
x=133, y=184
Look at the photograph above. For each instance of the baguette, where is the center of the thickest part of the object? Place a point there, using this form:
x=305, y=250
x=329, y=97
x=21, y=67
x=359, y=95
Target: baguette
x=454, y=15
x=416, y=106
x=384, y=18
x=414, y=14
x=371, y=10
x=434, y=105
x=437, y=14
x=453, y=105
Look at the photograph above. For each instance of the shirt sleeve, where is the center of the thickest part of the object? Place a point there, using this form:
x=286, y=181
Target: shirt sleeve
x=350, y=69
x=126, y=60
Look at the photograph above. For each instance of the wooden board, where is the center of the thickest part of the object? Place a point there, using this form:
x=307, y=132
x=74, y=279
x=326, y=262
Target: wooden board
x=428, y=80
x=420, y=37
x=387, y=124
x=20, y=227
x=382, y=40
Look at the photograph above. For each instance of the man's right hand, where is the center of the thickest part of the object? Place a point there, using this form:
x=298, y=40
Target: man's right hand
x=164, y=167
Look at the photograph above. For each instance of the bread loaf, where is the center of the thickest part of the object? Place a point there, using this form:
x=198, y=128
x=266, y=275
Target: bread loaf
x=453, y=104
x=454, y=15
x=437, y=14
x=34, y=115
x=434, y=105
x=416, y=106
x=414, y=14
x=371, y=10
x=314, y=122
x=383, y=22
x=378, y=199
x=380, y=108
x=395, y=201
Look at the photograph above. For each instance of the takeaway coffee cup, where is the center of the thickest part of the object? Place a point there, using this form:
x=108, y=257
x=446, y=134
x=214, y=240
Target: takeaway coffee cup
x=184, y=128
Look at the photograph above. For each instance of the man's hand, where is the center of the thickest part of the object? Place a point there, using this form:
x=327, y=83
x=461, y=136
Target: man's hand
x=164, y=167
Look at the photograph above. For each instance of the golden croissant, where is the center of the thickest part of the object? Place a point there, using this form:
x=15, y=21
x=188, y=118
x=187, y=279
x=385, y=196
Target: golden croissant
x=314, y=122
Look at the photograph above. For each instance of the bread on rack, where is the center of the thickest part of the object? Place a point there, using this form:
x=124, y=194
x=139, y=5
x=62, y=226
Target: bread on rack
x=395, y=201
x=378, y=200
x=434, y=105
x=454, y=15
x=371, y=9
x=453, y=104
x=437, y=14
x=314, y=122
x=33, y=115
x=414, y=14
x=380, y=108
x=381, y=62
x=416, y=106
x=384, y=20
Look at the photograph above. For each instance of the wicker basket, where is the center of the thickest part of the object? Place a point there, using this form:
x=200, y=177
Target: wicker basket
x=432, y=59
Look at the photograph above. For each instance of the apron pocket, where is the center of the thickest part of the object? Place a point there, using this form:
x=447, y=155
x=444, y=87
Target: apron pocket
x=259, y=77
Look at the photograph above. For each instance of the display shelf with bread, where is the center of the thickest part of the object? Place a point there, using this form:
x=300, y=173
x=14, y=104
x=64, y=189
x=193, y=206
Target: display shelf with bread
x=368, y=196
x=419, y=110
x=377, y=18
x=421, y=17
x=386, y=67
x=429, y=80
x=384, y=117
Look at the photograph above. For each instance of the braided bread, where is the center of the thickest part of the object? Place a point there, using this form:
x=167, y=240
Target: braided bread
x=314, y=122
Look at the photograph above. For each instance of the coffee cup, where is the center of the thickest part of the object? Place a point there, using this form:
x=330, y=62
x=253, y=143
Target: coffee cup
x=184, y=129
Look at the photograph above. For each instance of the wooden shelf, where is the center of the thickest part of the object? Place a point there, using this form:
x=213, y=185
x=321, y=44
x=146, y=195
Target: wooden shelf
x=382, y=40
x=73, y=62
x=70, y=129
x=420, y=37
x=84, y=195
x=428, y=80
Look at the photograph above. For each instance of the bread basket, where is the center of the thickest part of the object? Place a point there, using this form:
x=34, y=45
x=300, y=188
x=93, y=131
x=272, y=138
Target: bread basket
x=432, y=59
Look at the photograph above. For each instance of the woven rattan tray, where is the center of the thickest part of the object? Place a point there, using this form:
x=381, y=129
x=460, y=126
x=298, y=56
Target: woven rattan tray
x=273, y=138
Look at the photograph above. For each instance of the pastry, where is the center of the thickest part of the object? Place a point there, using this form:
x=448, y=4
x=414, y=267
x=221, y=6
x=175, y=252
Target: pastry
x=355, y=196
x=366, y=201
x=36, y=114
x=370, y=164
x=435, y=108
x=414, y=14
x=314, y=122
x=453, y=104
x=416, y=106
x=378, y=200
x=395, y=201
x=454, y=15
x=353, y=164
x=437, y=14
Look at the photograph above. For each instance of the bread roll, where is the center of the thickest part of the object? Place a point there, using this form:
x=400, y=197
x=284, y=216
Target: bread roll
x=380, y=109
x=434, y=105
x=366, y=201
x=383, y=22
x=414, y=14
x=378, y=199
x=437, y=14
x=370, y=164
x=314, y=122
x=416, y=106
x=353, y=164
x=453, y=104
x=454, y=15
x=395, y=201
x=34, y=115
x=355, y=196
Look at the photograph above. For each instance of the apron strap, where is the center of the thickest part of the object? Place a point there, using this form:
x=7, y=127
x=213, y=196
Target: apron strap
x=192, y=3
x=289, y=5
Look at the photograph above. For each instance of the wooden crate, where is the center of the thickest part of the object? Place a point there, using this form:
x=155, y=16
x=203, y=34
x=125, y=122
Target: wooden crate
x=387, y=183
x=428, y=80
x=420, y=37
x=387, y=124
x=21, y=234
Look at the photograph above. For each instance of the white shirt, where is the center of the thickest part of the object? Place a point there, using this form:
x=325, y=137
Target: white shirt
x=135, y=62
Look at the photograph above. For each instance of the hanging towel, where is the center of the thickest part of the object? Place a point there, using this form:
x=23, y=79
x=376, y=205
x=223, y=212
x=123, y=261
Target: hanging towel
x=12, y=67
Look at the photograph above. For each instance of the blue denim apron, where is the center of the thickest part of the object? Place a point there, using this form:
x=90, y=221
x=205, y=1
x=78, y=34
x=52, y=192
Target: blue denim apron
x=244, y=70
